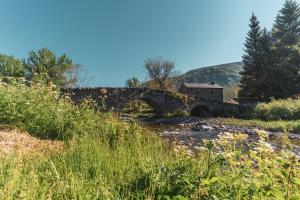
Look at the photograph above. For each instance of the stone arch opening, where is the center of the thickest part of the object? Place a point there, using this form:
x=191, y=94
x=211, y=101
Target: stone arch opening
x=140, y=108
x=200, y=111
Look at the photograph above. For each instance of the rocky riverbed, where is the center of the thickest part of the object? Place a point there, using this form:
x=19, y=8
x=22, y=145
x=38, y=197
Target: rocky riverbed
x=190, y=132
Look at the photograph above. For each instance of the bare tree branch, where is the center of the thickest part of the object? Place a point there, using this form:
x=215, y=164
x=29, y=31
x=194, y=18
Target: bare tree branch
x=159, y=70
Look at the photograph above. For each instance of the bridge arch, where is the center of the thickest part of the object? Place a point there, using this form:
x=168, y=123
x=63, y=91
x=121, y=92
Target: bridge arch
x=139, y=101
x=200, y=110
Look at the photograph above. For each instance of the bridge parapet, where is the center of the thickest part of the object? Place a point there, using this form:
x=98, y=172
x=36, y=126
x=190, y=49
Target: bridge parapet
x=117, y=98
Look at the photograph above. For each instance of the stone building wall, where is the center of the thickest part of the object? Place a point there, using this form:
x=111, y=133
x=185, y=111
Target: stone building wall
x=214, y=94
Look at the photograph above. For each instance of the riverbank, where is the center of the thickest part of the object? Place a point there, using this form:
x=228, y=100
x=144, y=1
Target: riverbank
x=189, y=132
x=231, y=124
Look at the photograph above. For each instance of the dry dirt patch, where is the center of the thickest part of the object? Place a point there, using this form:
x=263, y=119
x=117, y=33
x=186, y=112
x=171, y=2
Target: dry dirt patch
x=13, y=140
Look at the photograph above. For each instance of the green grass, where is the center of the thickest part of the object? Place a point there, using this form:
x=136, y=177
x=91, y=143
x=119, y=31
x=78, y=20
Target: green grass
x=278, y=125
x=277, y=115
x=104, y=158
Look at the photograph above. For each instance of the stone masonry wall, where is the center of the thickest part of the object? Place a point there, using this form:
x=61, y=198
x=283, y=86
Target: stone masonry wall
x=117, y=98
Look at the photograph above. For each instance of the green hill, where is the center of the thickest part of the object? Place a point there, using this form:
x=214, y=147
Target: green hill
x=224, y=75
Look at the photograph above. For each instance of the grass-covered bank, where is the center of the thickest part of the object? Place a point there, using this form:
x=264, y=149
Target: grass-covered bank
x=282, y=109
x=278, y=125
x=276, y=115
x=104, y=158
x=90, y=168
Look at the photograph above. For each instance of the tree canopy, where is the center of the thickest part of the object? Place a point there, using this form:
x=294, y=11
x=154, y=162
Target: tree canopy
x=272, y=60
x=11, y=66
x=45, y=61
x=133, y=83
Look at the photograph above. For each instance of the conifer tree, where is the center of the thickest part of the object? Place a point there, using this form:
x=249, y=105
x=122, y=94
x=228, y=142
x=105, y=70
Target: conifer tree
x=286, y=29
x=266, y=76
x=286, y=53
x=250, y=74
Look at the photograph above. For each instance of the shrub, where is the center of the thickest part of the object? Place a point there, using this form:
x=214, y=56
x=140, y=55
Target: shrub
x=43, y=112
x=286, y=109
x=179, y=96
x=177, y=113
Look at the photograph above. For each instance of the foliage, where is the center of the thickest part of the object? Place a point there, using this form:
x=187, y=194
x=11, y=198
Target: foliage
x=272, y=60
x=11, y=66
x=179, y=96
x=159, y=70
x=40, y=110
x=286, y=27
x=133, y=83
x=169, y=85
x=138, y=109
x=286, y=56
x=285, y=109
x=133, y=165
x=254, y=84
x=45, y=61
x=177, y=113
x=104, y=158
x=274, y=125
x=282, y=115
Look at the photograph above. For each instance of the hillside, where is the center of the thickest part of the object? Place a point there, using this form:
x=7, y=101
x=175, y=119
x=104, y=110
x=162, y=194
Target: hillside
x=224, y=75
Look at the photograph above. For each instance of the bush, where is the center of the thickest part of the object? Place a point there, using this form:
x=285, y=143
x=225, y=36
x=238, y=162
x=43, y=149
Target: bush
x=287, y=109
x=43, y=112
x=177, y=113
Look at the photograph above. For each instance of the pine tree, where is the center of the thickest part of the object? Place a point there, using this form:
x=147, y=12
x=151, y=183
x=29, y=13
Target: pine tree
x=286, y=55
x=265, y=87
x=251, y=62
x=286, y=29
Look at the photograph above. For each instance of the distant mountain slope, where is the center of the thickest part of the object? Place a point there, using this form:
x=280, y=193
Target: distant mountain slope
x=224, y=75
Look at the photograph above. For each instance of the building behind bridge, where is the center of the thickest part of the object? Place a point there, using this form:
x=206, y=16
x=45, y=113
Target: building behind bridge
x=208, y=91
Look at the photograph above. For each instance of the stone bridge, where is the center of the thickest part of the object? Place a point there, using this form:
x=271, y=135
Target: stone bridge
x=161, y=101
x=116, y=99
x=202, y=107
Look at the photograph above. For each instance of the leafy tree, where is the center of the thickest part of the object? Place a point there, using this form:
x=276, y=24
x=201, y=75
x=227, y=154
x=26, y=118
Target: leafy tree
x=11, y=66
x=133, y=83
x=286, y=31
x=45, y=61
x=159, y=70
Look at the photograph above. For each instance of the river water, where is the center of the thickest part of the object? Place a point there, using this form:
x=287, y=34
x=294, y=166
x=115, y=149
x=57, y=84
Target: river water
x=188, y=137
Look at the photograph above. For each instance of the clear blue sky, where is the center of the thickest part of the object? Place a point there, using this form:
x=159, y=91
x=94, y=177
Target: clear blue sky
x=113, y=37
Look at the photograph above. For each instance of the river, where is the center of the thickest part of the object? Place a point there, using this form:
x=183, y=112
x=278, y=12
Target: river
x=191, y=135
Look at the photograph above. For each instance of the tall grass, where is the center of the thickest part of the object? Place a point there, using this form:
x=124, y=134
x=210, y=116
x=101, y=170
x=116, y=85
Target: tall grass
x=104, y=158
x=90, y=168
x=43, y=112
x=283, y=109
x=291, y=126
x=277, y=115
